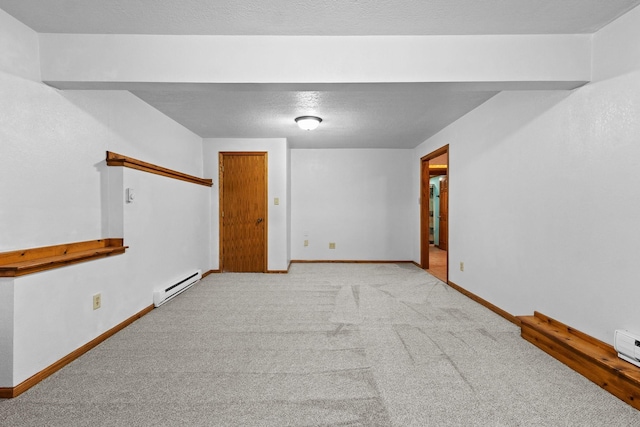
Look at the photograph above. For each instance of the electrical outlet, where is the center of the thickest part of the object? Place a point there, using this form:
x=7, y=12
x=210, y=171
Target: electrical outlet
x=332, y=245
x=97, y=301
x=461, y=266
x=306, y=243
x=276, y=201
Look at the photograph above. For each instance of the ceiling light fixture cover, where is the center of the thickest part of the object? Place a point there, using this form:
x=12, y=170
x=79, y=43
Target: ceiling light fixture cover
x=308, y=122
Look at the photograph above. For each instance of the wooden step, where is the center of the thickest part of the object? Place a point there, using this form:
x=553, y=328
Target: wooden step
x=589, y=356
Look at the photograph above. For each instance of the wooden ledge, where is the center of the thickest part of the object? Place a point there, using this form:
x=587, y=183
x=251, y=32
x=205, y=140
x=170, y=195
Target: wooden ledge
x=114, y=159
x=28, y=261
x=586, y=355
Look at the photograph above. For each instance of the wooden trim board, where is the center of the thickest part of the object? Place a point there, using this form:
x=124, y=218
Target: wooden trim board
x=210, y=272
x=346, y=261
x=592, y=358
x=437, y=170
x=281, y=271
x=340, y=261
x=510, y=317
x=115, y=159
x=28, y=261
x=10, y=392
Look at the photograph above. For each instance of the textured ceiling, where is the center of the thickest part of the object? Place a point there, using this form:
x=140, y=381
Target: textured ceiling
x=355, y=115
x=317, y=17
x=399, y=115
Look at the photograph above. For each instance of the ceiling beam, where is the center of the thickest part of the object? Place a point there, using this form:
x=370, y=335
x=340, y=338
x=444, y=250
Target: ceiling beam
x=560, y=61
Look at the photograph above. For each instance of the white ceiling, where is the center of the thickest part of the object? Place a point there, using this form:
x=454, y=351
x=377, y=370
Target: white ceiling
x=379, y=115
x=399, y=115
x=317, y=17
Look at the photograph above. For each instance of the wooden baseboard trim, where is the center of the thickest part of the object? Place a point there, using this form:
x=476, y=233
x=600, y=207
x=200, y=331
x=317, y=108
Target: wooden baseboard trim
x=590, y=357
x=281, y=271
x=210, y=272
x=416, y=264
x=347, y=261
x=267, y=272
x=10, y=392
x=510, y=317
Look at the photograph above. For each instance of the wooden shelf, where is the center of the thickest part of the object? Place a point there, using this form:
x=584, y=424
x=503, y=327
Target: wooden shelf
x=28, y=261
x=589, y=356
x=114, y=159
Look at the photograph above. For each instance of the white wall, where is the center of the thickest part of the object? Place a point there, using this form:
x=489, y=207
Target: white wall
x=20, y=48
x=167, y=230
x=56, y=188
x=277, y=186
x=543, y=194
x=53, y=312
x=359, y=199
x=53, y=150
x=6, y=330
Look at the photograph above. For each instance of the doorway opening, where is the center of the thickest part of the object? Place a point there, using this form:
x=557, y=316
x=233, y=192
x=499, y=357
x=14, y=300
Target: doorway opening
x=434, y=213
x=243, y=212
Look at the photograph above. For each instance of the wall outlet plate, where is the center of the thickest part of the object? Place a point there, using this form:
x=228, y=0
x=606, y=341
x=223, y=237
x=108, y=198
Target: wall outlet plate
x=97, y=301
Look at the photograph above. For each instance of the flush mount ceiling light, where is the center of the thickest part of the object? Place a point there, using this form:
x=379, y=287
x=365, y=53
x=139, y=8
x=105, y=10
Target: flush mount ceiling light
x=308, y=122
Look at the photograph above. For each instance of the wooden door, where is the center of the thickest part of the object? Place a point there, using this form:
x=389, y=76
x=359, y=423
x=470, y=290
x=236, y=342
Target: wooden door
x=243, y=212
x=444, y=214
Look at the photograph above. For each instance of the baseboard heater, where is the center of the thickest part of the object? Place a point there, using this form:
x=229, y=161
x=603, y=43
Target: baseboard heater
x=163, y=295
x=627, y=345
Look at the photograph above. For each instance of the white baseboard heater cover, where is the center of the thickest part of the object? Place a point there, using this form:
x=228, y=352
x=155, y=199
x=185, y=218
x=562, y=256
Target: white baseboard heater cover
x=161, y=296
x=628, y=346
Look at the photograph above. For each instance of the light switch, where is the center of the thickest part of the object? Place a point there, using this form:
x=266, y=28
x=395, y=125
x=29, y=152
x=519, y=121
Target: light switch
x=130, y=195
x=276, y=201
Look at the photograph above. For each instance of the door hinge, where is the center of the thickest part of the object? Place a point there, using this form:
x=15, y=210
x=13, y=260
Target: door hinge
x=222, y=214
x=222, y=168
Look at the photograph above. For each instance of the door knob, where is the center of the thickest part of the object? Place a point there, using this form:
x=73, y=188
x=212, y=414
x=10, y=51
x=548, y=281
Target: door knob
x=259, y=220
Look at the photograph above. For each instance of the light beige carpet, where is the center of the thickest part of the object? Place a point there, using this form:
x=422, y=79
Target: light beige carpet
x=325, y=345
